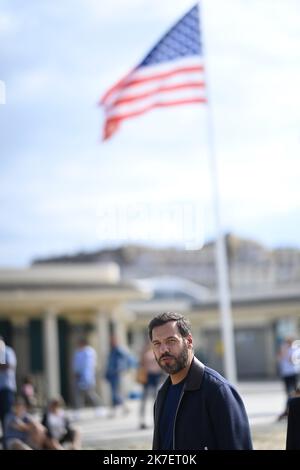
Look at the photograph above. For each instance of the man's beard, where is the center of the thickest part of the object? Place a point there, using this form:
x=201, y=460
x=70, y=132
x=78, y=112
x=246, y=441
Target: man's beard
x=179, y=362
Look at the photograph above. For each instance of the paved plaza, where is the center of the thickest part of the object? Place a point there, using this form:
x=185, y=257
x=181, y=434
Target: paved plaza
x=264, y=401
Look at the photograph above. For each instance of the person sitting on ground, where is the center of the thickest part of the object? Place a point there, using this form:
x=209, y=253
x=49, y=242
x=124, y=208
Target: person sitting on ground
x=28, y=393
x=59, y=429
x=22, y=431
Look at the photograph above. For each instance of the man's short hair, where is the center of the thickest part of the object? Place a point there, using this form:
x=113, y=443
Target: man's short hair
x=183, y=324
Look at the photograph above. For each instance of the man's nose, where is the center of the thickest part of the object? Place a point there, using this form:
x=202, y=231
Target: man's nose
x=164, y=348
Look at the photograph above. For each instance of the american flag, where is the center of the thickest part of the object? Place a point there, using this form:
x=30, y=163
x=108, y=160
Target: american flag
x=171, y=74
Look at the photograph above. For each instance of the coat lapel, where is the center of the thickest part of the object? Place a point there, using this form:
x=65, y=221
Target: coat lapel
x=158, y=405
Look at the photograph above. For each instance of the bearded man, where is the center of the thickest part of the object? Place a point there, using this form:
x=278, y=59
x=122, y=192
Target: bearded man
x=196, y=408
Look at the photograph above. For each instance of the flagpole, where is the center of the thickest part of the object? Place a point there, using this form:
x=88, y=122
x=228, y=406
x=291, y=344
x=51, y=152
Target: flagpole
x=220, y=246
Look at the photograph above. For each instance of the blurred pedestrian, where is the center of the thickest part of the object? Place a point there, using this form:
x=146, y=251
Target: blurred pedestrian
x=288, y=371
x=119, y=360
x=84, y=368
x=8, y=386
x=152, y=375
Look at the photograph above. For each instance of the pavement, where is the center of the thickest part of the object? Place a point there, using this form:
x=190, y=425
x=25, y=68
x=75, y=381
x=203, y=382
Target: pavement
x=264, y=401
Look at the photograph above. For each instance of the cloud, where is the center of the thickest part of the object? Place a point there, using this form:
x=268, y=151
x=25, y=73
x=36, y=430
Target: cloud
x=9, y=24
x=116, y=11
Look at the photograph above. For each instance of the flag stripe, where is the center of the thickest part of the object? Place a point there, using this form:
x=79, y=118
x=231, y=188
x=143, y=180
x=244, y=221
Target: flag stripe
x=121, y=117
x=166, y=97
x=130, y=79
x=118, y=86
x=162, y=89
x=164, y=75
x=143, y=88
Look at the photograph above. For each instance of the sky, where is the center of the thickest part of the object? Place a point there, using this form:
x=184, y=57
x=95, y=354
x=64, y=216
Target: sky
x=62, y=190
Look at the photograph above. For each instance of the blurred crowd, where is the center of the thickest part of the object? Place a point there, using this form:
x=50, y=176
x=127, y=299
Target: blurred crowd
x=26, y=425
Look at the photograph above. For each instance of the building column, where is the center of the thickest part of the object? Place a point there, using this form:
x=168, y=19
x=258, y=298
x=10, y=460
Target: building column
x=120, y=326
x=51, y=353
x=102, y=345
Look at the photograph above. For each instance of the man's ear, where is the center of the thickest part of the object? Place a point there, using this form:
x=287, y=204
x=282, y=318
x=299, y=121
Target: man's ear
x=189, y=339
